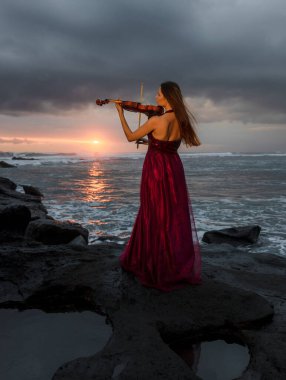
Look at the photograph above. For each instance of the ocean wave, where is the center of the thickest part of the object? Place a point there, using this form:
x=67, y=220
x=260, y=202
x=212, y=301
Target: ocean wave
x=237, y=154
x=37, y=159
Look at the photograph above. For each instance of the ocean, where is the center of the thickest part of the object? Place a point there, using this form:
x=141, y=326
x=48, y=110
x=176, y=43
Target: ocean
x=102, y=192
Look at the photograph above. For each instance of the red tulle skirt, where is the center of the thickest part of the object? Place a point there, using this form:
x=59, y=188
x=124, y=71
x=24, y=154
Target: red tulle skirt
x=163, y=251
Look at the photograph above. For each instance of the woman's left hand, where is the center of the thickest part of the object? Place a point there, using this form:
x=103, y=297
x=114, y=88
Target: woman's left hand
x=119, y=108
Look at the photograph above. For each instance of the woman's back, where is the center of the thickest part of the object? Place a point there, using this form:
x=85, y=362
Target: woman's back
x=168, y=128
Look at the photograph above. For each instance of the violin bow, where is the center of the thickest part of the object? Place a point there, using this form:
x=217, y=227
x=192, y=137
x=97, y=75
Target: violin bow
x=141, y=100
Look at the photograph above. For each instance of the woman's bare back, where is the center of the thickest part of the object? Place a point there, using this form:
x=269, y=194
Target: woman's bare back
x=167, y=128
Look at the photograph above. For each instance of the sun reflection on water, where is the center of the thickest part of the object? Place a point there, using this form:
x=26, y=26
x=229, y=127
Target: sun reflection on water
x=95, y=187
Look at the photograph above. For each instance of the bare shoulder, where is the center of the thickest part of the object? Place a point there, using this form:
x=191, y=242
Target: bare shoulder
x=159, y=120
x=154, y=119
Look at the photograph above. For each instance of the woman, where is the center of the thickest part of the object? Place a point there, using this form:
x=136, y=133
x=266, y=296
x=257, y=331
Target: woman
x=163, y=251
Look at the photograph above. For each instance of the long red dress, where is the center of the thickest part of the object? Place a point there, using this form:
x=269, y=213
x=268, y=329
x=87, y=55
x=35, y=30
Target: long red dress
x=163, y=251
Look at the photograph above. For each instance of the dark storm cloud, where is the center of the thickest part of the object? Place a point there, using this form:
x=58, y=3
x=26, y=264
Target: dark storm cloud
x=59, y=55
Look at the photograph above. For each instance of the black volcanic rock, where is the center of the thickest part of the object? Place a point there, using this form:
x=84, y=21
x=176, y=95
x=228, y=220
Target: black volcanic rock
x=24, y=217
x=237, y=301
x=54, y=232
x=22, y=158
x=4, y=164
x=234, y=235
x=32, y=190
x=15, y=218
x=10, y=197
x=6, y=182
x=17, y=195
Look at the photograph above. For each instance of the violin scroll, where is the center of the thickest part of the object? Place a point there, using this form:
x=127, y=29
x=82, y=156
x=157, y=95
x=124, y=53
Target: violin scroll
x=100, y=102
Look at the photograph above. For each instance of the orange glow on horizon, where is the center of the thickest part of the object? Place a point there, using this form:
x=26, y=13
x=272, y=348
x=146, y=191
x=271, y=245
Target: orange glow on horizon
x=44, y=140
x=47, y=142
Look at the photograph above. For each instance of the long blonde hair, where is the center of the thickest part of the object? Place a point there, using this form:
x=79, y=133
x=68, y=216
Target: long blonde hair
x=187, y=120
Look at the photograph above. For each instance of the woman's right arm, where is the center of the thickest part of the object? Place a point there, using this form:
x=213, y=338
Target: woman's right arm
x=140, y=132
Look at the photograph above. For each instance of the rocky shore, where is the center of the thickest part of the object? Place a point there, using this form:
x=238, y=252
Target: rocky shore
x=46, y=266
x=24, y=218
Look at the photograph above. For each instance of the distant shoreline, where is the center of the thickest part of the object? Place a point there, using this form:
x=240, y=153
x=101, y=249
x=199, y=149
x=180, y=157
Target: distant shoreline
x=37, y=154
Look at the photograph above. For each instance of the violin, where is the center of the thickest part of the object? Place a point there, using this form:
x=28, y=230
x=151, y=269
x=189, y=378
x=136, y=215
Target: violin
x=127, y=105
x=148, y=110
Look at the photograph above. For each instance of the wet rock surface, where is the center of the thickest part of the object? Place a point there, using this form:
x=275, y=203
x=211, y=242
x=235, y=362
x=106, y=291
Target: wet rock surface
x=10, y=197
x=235, y=235
x=32, y=190
x=242, y=299
x=6, y=182
x=15, y=218
x=54, y=232
x=25, y=218
x=4, y=164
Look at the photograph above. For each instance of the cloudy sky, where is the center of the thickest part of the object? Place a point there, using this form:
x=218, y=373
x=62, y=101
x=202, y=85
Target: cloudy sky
x=58, y=56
